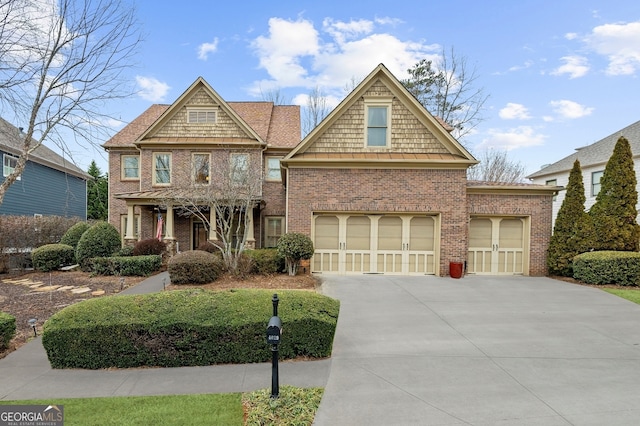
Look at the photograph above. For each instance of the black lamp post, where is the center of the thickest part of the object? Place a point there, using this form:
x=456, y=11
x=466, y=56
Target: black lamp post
x=274, y=332
x=32, y=322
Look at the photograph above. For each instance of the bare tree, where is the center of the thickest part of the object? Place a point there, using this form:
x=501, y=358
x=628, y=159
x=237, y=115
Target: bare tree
x=447, y=89
x=274, y=95
x=316, y=109
x=231, y=188
x=60, y=63
x=495, y=166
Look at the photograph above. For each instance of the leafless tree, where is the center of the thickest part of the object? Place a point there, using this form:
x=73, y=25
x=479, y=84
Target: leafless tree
x=274, y=95
x=60, y=64
x=447, y=89
x=316, y=109
x=495, y=166
x=231, y=187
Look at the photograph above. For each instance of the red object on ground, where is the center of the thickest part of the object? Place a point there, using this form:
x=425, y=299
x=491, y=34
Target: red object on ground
x=455, y=269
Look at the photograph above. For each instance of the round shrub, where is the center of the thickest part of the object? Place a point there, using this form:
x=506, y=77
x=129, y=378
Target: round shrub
x=295, y=247
x=50, y=256
x=73, y=234
x=101, y=240
x=149, y=247
x=194, y=267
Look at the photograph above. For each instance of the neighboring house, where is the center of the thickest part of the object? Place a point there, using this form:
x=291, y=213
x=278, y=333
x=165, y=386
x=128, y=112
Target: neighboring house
x=380, y=185
x=593, y=160
x=50, y=185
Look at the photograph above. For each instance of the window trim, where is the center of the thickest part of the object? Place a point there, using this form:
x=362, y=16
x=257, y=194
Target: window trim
x=593, y=184
x=154, y=174
x=232, y=170
x=5, y=157
x=552, y=182
x=204, y=110
x=281, y=219
x=193, y=169
x=267, y=169
x=136, y=226
x=123, y=175
x=377, y=102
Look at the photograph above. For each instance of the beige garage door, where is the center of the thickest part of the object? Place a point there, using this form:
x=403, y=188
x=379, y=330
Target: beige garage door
x=498, y=245
x=390, y=244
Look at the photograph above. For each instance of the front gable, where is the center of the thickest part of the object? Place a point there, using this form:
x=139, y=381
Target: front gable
x=200, y=115
x=416, y=138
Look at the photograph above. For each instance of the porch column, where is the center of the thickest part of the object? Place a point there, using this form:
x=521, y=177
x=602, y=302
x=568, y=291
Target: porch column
x=129, y=235
x=251, y=241
x=169, y=230
x=213, y=225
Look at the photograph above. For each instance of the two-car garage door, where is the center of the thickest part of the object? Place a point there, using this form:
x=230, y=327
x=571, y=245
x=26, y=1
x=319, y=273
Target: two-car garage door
x=361, y=243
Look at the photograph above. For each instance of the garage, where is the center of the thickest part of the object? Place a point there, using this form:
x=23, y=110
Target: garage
x=498, y=245
x=375, y=243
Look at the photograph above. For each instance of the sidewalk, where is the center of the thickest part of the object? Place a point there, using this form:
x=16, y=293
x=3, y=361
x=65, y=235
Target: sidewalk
x=26, y=373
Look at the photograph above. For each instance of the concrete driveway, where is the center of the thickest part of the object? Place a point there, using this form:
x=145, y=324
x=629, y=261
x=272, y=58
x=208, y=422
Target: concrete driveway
x=481, y=351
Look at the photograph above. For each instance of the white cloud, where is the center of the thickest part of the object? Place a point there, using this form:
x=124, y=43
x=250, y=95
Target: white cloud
x=296, y=54
x=620, y=43
x=569, y=109
x=575, y=66
x=151, y=89
x=514, y=111
x=510, y=139
x=571, y=36
x=205, y=48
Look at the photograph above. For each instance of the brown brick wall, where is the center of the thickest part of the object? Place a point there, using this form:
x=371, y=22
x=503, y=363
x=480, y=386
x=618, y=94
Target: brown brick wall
x=384, y=191
x=537, y=207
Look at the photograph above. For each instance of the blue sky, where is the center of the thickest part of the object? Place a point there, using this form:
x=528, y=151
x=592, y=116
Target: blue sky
x=558, y=76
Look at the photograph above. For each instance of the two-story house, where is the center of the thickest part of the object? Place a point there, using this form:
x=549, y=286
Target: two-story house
x=50, y=185
x=380, y=185
x=593, y=160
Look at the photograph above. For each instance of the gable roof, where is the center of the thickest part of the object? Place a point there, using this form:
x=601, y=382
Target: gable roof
x=597, y=153
x=273, y=125
x=11, y=142
x=453, y=155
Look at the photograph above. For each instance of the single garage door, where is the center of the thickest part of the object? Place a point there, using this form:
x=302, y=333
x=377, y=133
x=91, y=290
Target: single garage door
x=498, y=245
x=389, y=244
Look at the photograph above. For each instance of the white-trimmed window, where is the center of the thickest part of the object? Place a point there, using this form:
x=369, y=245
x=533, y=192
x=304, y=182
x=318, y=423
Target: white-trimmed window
x=239, y=168
x=595, y=182
x=272, y=169
x=202, y=115
x=200, y=170
x=9, y=163
x=552, y=182
x=130, y=167
x=162, y=168
x=378, y=122
x=274, y=228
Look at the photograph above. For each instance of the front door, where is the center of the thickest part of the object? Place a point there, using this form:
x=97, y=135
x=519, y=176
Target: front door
x=200, y=234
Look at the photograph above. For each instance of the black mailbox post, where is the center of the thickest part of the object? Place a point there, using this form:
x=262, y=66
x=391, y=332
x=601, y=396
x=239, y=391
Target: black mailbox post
x=274, y=333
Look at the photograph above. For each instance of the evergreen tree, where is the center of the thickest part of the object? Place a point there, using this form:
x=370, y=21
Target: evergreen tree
x=614, y=214
x=97, y=194
x=569, y=219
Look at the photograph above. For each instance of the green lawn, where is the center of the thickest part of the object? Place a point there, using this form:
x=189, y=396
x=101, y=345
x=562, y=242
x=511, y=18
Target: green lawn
x=632, y=295
x=294, y=407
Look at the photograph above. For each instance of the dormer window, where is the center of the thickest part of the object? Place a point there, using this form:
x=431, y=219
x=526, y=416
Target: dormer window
x=378, y=122
x=201, y=115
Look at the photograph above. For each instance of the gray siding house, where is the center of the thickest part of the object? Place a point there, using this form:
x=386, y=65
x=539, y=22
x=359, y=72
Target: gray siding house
x=593, y=160
x=50, y=185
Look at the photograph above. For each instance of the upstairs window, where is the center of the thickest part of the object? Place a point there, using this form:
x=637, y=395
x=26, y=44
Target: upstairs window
x=239, y=168
x=595, y=182
x=378, y=123
x=552, y=182
x=9, y=164
x=162, y=168
x=130, y=167
x=272, y=171
x=201, y=169
x=201, y=116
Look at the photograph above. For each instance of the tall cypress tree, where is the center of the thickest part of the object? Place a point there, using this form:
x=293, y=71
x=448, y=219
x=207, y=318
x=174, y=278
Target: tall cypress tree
x=569, y=218
x=614, y=214
x=97, y=194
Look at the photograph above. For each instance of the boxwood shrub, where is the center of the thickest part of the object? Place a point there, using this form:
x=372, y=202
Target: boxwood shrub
x=73, y=234
x=101, y=240
x=266, y=261
x=194, y=267
x=7, y=329
x=51, y=256
x=608, y=267
x=187, y=328
x=126, y=265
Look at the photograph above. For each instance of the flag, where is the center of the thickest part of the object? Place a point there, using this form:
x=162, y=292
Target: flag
x=159, y=230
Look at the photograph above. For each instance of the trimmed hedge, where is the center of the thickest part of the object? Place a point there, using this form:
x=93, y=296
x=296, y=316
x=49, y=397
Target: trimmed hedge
x=194, y=267
x=187, y=328
x=126, y=265
x=73, y=234
x=150, y=246
x=7, y=329
x=266, y=261
x=49, y=257
x=101, y=240
x=608, y=267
